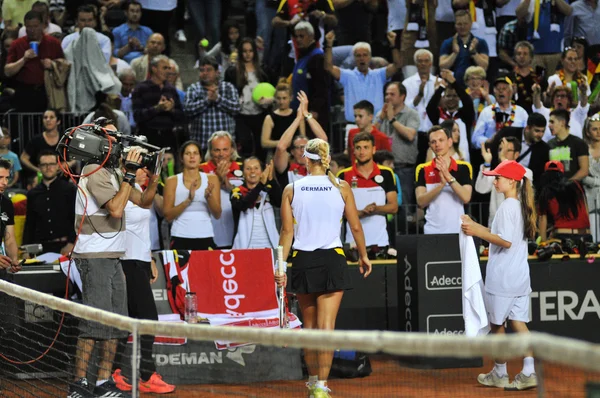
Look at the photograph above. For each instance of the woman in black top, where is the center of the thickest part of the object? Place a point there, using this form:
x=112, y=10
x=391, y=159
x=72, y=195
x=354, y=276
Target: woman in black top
x=47, y=141
x=245, y=75
x=279, y=120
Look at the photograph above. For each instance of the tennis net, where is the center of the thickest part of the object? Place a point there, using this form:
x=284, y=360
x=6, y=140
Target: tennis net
x=39, y=334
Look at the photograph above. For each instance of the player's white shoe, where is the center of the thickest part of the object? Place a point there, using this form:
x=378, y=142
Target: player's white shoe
x=493, y=380
x=522, y=382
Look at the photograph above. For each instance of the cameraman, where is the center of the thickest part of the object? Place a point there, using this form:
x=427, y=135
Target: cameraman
x=99, y=247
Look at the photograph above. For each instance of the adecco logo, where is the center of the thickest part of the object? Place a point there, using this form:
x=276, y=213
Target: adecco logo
x=446, y=324
x=443, y=275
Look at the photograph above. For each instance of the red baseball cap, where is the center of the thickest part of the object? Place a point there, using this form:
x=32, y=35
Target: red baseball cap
x=554, y=165
x=508, y=169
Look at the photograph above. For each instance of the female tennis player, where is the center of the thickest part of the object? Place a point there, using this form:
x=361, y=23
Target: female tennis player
x=311, y=214
x=507, y=283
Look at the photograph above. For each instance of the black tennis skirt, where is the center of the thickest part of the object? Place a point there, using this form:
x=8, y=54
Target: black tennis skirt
x=319, y=271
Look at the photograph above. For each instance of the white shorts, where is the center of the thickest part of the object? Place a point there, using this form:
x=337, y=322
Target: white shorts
x=500, y=308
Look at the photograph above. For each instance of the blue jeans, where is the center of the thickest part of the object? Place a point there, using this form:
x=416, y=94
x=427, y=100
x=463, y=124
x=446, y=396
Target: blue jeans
x=264, y=16
x=206, y=15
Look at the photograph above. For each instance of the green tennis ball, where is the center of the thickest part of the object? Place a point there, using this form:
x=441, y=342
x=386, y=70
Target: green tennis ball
x=204, y=43
x=263, y=90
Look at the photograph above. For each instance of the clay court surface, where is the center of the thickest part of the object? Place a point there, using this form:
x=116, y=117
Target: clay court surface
x=388, y=379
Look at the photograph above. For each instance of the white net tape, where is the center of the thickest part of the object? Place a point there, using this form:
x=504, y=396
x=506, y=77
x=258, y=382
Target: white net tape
x=559, y=350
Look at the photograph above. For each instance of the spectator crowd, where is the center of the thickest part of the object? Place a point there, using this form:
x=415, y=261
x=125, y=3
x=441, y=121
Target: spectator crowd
x=415, y=113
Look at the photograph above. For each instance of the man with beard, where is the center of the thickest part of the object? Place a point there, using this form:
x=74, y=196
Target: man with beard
x=131, y=37
x=52, y=200
x=498, y=115
x=221, y=160
x=561, y=97
x=375, y=192
x=534, y=150
x=443, y=186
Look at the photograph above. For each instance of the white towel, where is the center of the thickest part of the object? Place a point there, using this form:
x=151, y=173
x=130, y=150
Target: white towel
x=474, y=313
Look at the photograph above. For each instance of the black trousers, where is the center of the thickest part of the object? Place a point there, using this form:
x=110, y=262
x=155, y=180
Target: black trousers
x=191, y=243
x=140, y=303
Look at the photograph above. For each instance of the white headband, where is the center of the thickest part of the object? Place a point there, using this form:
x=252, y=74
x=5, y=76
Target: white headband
x=312, y=156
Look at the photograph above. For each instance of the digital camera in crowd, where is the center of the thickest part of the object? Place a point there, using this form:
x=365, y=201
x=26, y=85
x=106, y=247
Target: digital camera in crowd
x=89, y=143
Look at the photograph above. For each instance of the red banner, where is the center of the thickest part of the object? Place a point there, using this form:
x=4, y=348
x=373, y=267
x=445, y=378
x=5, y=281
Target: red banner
x=228, y=283
x=237, y=283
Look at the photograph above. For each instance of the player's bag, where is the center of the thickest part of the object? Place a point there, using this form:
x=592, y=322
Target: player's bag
x=350, y=364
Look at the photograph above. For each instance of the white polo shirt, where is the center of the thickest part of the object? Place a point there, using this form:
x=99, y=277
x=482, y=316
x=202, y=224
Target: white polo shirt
x=443, y=213
x=412, y=85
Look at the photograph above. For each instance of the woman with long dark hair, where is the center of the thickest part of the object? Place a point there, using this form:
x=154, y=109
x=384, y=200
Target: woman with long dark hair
x=190, y=199
x=245, y=75
x=561, y=203
x=225, y=51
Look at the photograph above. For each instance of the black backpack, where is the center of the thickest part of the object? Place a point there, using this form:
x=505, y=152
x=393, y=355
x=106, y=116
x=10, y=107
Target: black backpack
x=350, y=364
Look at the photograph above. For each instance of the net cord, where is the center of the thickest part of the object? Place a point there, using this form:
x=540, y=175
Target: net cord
x=556, y=349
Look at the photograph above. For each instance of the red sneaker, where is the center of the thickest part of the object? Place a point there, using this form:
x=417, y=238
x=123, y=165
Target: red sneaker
x=121, y=381
x=156, y=385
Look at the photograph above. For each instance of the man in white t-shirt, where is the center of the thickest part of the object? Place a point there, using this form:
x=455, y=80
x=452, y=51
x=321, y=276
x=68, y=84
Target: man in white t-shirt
x=420, y=87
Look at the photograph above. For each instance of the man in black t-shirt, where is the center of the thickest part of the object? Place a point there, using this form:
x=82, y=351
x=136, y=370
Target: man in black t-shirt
x=570, y=150
x=9, y=250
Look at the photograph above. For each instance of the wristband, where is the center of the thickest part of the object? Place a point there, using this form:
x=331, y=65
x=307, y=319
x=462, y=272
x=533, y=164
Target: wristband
x=487, y=165
x=308, y=116
x=129, y=178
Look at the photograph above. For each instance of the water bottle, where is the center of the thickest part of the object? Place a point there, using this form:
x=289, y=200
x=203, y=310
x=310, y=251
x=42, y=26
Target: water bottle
x=191, y=307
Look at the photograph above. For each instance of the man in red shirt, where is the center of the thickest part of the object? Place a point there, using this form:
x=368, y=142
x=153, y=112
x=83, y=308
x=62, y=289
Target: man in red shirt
x=363, y=117
x=27, y=66
x=221, y=160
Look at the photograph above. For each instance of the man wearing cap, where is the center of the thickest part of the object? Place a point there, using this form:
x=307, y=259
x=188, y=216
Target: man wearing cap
x=498, y=115
x=375, y=192
x=443, y=185
x=570, y=150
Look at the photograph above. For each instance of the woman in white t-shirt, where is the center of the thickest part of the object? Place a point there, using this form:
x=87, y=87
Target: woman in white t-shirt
x=507, y=283
x=191, y=197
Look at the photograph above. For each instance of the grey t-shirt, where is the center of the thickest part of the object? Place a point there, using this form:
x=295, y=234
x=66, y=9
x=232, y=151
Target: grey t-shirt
x=404, y=151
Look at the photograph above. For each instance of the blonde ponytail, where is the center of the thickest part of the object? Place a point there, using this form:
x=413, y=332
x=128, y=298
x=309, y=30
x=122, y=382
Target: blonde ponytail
x=320, y=147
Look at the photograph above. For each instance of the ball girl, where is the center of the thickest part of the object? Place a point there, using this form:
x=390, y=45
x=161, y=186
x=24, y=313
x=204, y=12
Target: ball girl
x=507, y=284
